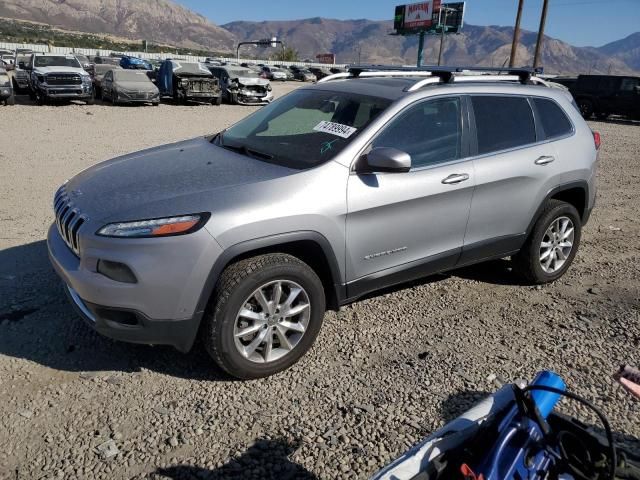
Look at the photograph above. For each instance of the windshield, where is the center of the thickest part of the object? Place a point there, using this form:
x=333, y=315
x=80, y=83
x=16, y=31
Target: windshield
x=82, y=59
x=303, y=129
x=130, y=76
x=22, y=58
x=241, y=72
x=4, y=80
x=57, y=61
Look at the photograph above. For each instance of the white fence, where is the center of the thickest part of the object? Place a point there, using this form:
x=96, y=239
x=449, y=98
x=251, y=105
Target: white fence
x=90, y=52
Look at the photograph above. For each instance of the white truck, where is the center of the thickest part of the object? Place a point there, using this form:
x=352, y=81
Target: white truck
x=58, y=77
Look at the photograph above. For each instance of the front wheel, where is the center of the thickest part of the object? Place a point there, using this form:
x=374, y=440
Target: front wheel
x=552, y=245
x=11, y=100
x=265, y=314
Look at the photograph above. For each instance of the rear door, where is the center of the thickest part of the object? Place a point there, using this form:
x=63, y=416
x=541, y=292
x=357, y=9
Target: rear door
x=514, y=169
x=628, y=97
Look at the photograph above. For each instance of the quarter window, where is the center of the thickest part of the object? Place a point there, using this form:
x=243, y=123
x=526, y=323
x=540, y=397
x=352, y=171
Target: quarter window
x=554, y=121
x=431, y=132
x=502, y=123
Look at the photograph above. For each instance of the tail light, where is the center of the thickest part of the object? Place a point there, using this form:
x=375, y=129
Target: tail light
x=596, y=140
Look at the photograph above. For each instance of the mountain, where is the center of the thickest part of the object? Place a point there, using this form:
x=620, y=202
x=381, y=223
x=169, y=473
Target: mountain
x=158, y=21
x=476, y=45
x=166, y=22
x=627, y=49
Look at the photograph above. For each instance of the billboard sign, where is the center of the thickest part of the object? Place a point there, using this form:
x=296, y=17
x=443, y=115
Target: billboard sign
x=415, y=16
x=326, y=58
x=429, y=17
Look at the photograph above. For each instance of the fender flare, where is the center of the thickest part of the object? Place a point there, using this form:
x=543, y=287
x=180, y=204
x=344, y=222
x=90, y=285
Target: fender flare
x=582, y=184
x=267, y=242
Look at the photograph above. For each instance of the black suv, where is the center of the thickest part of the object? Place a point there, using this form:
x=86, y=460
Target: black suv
x=605, y=95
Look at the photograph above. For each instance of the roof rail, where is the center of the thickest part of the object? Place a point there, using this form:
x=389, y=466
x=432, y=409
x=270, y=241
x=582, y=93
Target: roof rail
x=443, y=74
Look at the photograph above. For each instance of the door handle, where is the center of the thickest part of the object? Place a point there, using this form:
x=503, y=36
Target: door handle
x=455, y=178
x=544, y=160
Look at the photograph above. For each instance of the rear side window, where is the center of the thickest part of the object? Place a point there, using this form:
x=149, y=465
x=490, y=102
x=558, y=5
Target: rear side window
x=554, y=121
x=502, y=123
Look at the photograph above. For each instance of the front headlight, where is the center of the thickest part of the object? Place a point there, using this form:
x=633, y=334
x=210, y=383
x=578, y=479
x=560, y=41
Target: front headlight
x=269, y=88
x=158, y=227
x=86, y=79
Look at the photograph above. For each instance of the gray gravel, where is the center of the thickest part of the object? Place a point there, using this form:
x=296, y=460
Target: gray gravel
x=384, y=372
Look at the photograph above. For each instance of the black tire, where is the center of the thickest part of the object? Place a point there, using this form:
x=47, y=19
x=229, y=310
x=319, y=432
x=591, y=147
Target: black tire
x=11, y=100
x=218, y=100
x=586, y=108
x=236, y=284
x=40, y=98
x=527, y=261
x=91, y=100
x=156, y=104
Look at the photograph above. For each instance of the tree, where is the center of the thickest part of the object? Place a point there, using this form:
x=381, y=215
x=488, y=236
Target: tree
x=288, y=54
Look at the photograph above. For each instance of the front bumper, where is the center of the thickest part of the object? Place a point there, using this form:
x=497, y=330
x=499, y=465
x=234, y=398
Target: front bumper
x=69, y=91
x=161, y=308
x=252, y=99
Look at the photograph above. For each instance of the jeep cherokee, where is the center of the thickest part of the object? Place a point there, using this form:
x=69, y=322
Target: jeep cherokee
x=365, y=180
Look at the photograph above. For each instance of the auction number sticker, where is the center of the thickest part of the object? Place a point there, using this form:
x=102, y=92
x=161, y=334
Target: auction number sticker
x=338, y=129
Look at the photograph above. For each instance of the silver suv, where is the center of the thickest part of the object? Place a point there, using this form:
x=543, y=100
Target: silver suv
x=365, y=180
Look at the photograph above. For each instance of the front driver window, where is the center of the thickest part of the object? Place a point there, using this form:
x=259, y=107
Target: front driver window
x=431, y=132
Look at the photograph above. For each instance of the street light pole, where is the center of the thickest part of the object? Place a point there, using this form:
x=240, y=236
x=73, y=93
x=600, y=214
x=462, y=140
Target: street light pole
x=543, y=21
x=420, y=48
x=516, y=35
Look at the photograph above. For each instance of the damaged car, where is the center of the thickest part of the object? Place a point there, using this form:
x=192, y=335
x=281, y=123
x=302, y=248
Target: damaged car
x=242, y=86
x=128, y=86
x=184, y=82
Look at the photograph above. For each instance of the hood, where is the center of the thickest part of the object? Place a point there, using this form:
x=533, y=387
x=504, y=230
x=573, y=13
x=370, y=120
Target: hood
x=173, y=179
x=136, y=86
x=45, y=70
x=248, y=81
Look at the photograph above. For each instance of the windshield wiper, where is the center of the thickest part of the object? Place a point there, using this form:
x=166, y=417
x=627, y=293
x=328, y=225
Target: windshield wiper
x=248, y=152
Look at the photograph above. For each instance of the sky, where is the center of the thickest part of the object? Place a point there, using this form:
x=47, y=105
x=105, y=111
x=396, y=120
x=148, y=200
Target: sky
x=578, y=22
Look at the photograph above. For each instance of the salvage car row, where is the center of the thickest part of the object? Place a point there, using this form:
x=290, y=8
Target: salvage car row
x=50, y=77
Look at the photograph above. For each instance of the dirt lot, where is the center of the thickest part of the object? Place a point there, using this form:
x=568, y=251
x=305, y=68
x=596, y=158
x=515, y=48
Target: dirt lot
x=384, y=372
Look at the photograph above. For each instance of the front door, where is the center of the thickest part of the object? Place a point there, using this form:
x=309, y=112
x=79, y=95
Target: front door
x=402, y=226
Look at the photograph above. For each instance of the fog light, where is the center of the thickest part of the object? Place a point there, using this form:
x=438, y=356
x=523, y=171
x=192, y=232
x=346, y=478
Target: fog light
x=116, y=271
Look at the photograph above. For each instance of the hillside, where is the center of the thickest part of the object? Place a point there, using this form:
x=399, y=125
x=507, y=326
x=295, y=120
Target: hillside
x=158, y=21
x=370, y=40
x=627, y=49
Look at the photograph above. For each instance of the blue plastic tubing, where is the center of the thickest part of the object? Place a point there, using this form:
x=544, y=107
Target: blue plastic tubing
x=545, y=401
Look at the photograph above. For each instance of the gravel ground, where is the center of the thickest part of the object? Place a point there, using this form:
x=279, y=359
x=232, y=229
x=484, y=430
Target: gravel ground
x=385, y=371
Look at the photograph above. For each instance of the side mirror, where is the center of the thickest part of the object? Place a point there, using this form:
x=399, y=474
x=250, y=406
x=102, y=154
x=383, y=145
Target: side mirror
x=385, y=159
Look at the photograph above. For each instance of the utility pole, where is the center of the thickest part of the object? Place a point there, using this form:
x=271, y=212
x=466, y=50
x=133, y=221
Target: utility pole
x=443, y=26
x=543, y=21
x=516, y=35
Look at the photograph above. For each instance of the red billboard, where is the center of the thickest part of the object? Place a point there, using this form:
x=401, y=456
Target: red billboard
x=326, y=58
x=419, y=15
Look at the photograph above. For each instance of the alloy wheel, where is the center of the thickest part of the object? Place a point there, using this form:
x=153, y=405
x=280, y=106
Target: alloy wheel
x=556, y=245
x=272, y=321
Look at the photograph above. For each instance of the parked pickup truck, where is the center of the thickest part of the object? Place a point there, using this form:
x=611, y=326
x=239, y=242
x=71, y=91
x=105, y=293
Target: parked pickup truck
x=605, y=95
x=55, y=76
x=184, y=82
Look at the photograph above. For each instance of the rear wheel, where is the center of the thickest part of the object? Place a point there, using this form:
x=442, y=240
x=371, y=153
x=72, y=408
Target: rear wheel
x=586, y=108
x=11, y=100
x=552, y=245
x=265, y=314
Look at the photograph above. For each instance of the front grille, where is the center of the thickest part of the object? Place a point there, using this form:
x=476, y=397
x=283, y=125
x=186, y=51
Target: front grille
x=68, y=219
x=257, y=89
x=64, y=79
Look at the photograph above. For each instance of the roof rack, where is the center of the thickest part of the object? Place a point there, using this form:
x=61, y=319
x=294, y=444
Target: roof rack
x=438, y=74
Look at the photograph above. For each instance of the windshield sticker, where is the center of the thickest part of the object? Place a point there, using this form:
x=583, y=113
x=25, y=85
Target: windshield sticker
x=326, y=146
x=344, y=131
